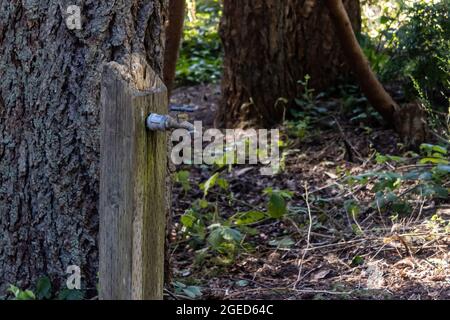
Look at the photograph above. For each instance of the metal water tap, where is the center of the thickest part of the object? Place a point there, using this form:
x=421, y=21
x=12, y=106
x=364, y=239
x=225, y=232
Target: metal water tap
x=158, y=122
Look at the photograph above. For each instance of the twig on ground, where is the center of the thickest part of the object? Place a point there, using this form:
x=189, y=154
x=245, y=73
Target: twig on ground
x=168, y=292
x=347, y=141
x=308, y=239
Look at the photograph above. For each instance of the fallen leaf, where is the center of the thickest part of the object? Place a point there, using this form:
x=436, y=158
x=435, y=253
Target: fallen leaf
x=321, y=274
x=405, y=262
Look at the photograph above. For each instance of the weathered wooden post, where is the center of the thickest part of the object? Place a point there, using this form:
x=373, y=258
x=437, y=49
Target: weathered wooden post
x=132, y=183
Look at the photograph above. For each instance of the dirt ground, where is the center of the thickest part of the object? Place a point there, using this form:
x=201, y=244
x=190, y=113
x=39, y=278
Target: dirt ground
x=403, y=259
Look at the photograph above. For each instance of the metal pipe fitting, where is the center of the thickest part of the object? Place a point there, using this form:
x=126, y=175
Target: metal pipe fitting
x=158, y=122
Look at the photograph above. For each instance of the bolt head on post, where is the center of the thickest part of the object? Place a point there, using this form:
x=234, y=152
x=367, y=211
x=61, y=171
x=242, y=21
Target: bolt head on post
x=157, y=122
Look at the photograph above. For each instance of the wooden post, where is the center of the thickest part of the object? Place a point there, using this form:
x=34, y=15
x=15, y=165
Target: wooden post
x=132, y=183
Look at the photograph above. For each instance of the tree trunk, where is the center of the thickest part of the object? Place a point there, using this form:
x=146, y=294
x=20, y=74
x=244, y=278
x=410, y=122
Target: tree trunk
x=174, y=32
x=49, y=128
x=269, y=46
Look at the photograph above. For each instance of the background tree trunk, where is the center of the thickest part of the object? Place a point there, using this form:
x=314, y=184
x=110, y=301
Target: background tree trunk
x=174, y=33
x=49, y=143
x=270, y=45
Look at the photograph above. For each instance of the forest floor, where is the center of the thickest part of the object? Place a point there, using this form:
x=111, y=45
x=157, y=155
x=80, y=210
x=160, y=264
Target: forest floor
x=370, y=255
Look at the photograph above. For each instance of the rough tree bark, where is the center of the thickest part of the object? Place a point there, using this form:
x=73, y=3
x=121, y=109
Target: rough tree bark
x=270, y=45
x=174, y=33
x=49, y=143
x=409, y=120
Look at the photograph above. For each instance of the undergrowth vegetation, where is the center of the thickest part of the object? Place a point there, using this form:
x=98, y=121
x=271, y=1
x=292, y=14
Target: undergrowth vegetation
x=43, y=291
x=361, y=189
x=408, y=42
x=200, y=58
x=347, y=192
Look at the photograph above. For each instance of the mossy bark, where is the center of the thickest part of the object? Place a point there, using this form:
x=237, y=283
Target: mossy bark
x=49, y=127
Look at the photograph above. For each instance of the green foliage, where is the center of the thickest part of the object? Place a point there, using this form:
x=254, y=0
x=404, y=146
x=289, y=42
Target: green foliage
x=421, y=48
x=242, y=283
x=434, y=154
x=352, y=208
x=249, y=217
x=277, y=205
x=357, y=261
x=393, y=190
x=307, y=98
x=378, y=59
x=194, y=224
x=284, y=243
x=43, y=288
x=201, y=51
x=21, y=294
x=182, y=177
x=379, y=17
x=308, y=109
x=70, y=294
x=223, y=238
x=204, y=226
x=409, y=41
x=192, y=292
x=43, y=291
x=212, y=181
x=205, y=229
x=300, y=127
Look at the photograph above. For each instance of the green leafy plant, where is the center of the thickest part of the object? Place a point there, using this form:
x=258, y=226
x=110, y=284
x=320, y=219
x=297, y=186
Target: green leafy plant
x=307, y=98
x=192, y=292
x=378, y=59
x=249, y=217
x=182, y=177
x=21, y=294
x=43, y=291
x=43, y=288
x=212, y=181
x=407, y=44
x=284, y=243
x=419, y=50
x=300, y=126
x=434, y=154
x=207, y=231
x=205, y=227
x=201, y=51
x=71, y=294
x=223, y=238
x=277, y=204
x=392, y=189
